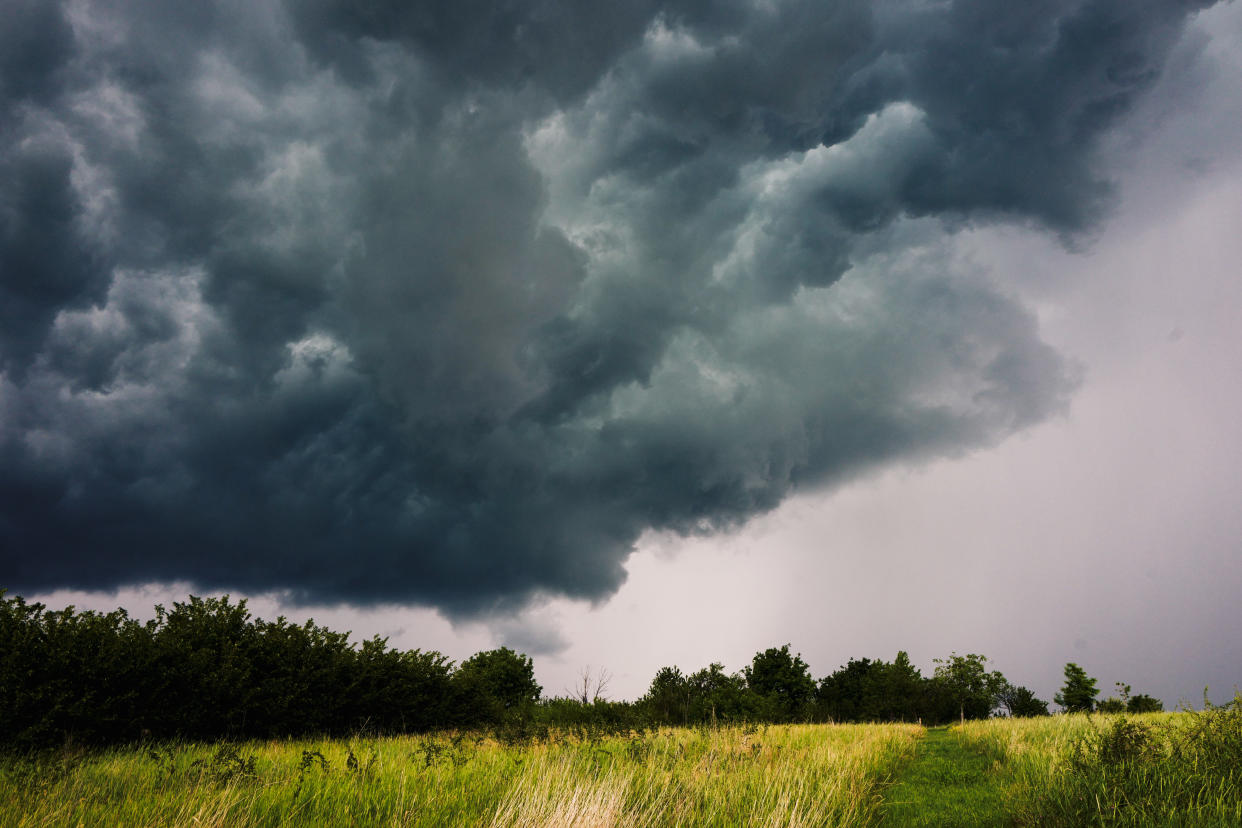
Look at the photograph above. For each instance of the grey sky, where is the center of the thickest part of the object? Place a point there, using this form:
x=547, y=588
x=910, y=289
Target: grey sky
x=921, y=324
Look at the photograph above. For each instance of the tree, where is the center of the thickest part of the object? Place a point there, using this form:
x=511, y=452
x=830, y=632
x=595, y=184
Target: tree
x=1019, y=701
x=1079, y=692
x=873, y=691
x=902, y=689
x=848, y=694
x=204, y=650
x=503, y=675
x=1143, y=703
x=590, y=689
x=668, y=698
x=715, y=694
x=1113, y=704
x=783, y=680
x=974, y=690
x=390, y=689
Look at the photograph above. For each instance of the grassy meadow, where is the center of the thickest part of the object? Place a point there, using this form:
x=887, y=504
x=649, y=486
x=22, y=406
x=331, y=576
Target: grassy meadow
x=775, y=775
x=1155, y=769
x=1158, y=769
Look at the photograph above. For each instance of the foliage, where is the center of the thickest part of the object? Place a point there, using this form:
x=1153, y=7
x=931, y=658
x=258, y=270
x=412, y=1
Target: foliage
x=975, y=691
x=717, y=696
x=1079, y=691
x=1162, y=769
x=1143, y=703
x=1142, y=770
x=852, y=693
x=204, y=669
x=783, y=683
x=1110, y=705
x=1019, y=701
x=600, y=717
x=495, y=682
x=1130, y=703
x=667, y=700
x=1113, y=704
x=874, y=691
x=901, y=691
x=1155, y=769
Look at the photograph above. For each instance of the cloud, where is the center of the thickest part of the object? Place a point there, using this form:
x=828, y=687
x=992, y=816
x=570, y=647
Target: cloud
x=532, y=635
x=370, y=302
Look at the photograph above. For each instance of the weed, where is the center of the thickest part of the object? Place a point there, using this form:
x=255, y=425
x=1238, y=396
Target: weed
x=638, y=749
x=352, y=765
x=310, y=759
x=431, y=750
x=1143, y=769
x=227, y=764
x=165, y=763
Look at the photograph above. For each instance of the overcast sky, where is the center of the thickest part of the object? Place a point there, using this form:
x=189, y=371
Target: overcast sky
x=648, y=334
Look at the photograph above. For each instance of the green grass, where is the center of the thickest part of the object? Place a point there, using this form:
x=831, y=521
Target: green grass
x=1182, y=769
x=948, y=783
x=793, y=775
x=1160, y=769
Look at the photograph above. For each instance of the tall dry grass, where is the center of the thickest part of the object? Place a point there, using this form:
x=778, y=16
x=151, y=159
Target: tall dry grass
x=1156, y=769
x=774, y=776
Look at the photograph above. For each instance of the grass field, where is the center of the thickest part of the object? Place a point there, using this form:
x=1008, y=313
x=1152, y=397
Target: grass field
x=792, y=775
x=1161, y=769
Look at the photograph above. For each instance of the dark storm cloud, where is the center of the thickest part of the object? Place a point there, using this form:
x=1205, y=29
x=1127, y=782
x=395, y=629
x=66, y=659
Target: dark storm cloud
x=449, y=303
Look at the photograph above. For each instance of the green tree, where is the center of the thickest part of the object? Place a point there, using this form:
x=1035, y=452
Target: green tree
x=64, y=673
x=1019, y=701
x=204, y=650
x=1143, y=703
x=503, y=675
x=391, y=689
x=305, y=675
x=848, y=695
x=1079, y=692
x=975, y=691
x=717, y=695
x=668, y=698
x=900, y=690
x=873, y=691
x=1113, y=704
x=783, y=681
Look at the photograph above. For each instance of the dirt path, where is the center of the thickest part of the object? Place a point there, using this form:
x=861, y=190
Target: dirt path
x=945, y=785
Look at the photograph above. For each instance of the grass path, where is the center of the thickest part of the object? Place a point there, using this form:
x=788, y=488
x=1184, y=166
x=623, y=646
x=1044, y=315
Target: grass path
x=946, y=784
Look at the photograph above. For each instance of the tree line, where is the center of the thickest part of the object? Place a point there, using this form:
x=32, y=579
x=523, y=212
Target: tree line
x=777, y=686
x=207, y=669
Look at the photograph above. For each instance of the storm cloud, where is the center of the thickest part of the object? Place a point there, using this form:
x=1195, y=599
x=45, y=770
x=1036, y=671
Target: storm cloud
x=449, y=303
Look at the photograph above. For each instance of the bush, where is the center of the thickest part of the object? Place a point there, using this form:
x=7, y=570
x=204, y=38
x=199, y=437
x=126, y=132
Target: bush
x=1142, y=772
x=1143, y=703
x=207, y=670
x=1110, y=705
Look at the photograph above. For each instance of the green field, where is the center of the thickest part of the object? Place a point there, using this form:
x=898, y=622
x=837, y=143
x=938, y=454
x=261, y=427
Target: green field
x=1160, y=769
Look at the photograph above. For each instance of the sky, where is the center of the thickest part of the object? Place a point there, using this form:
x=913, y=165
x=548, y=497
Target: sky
x=656, y=333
